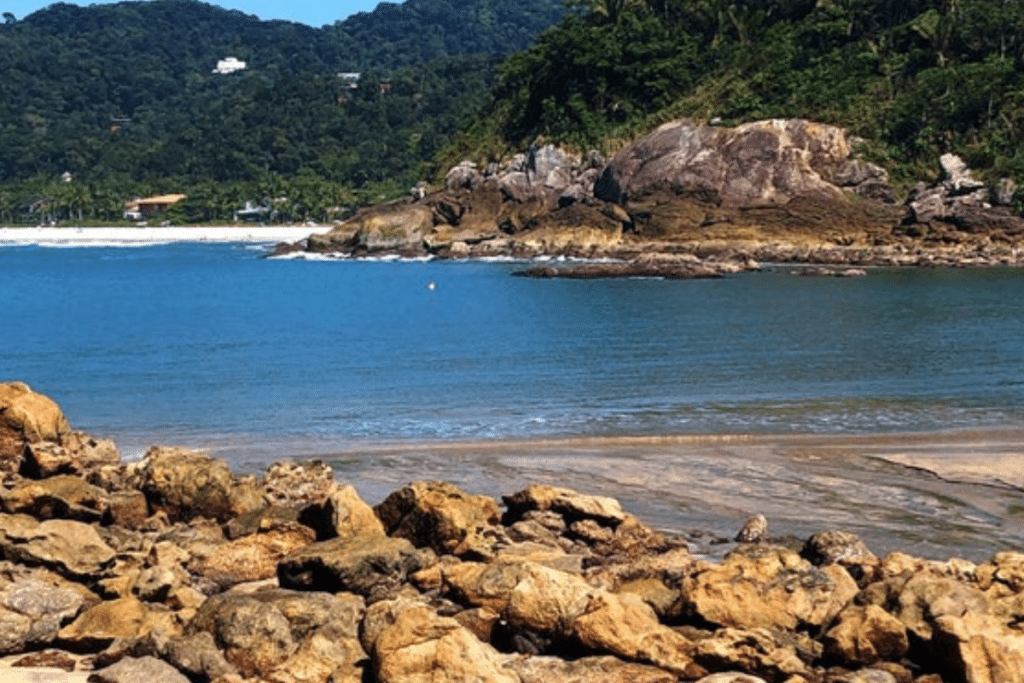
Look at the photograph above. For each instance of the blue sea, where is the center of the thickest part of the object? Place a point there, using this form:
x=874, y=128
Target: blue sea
x=256, y=359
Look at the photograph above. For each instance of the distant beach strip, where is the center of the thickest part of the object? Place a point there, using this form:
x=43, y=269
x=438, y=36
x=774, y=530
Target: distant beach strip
x=85, y=237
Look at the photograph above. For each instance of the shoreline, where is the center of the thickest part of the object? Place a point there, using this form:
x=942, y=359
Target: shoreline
x=935, y=494
x=177, y=569
x=73, y=236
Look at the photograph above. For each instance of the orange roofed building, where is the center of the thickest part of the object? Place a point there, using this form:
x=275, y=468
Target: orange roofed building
x=150, y=206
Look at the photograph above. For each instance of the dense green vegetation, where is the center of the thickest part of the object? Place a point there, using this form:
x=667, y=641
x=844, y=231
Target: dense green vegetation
x=915, y=79
x=122, y=97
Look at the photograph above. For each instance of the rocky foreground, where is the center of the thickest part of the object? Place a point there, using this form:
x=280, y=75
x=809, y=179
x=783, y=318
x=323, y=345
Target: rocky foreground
x=173, y=569
x=781, y=191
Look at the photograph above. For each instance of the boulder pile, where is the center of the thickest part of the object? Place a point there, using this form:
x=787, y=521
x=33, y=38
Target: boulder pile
x=174, y=570
x=775, y=190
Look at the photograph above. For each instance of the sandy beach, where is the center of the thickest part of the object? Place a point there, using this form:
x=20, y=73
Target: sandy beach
x=71, y=237
x=936, y=495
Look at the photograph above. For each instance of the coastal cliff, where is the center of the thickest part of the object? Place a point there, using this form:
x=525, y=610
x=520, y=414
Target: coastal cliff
x=775, y=190
x=175, y=569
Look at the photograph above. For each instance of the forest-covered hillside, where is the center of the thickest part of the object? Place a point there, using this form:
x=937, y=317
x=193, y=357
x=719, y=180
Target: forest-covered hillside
x=915, y=79
x=124, y=99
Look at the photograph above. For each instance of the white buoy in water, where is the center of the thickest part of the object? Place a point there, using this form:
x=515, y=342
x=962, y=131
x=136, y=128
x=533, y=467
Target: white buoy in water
x=431, y=285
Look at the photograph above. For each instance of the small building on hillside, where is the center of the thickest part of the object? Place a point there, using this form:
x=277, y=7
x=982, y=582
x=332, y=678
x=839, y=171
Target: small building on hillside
x=139, y=209
x=229, y=65
x=350, y=79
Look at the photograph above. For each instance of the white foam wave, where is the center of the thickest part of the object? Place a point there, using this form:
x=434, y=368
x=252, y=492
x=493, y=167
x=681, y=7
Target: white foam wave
x=312, y=256
x=144, y=236
x=344, y=256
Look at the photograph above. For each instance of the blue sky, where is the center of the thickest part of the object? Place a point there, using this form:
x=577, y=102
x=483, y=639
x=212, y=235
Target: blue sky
x=312, y=12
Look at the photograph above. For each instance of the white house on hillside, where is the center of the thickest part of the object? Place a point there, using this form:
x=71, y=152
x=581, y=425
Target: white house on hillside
x=229, y=65
x=350, y=78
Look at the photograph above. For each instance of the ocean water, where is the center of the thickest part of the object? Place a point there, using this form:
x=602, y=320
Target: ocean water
x=402, y=370
x=212, y=345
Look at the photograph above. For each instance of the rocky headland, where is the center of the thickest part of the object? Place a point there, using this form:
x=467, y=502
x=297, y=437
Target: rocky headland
x=174, y=569
x=780, y=191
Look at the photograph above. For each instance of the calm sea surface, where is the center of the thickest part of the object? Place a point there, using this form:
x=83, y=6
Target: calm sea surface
x=210, y=345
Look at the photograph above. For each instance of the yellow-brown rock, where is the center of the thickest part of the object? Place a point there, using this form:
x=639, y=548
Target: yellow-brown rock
x=349, y=515
x=254, y=557
x=626, y=626
x=422, y=647
x=59, y=497
x=26, y=417
x=443, y=517
x=865, y=635
x=526, y=595
x=586, y=670
x=978, y=648
x=757, y=651
x=99, y=626
x=768, y=587
x=186, y=484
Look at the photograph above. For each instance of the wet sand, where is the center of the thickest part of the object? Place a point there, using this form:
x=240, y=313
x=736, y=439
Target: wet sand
x=933, y=495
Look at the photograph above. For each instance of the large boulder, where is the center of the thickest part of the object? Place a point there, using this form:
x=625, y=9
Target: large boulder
x=423, y=647
x=627, y=627
x=864, y=635
x=369, y=566
x=60, y=497
x=34, y=605
x=393, y=227
x=782, y=176
x=26, y=418
x=562, y=607
x=134, y=669
x=187, y=484
x=72, y=549
x=77, y=453
x=286, y=636
x=924, y=599
x=572, y=505
x=769, y=654
x=96, y=628
x=349, y=516
x=585, y=670
x=443, y=517
x=761, y=163
x=253, y=557
x=977, y=648
x=768, y=587
x=527, y=596
x=297, y=484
